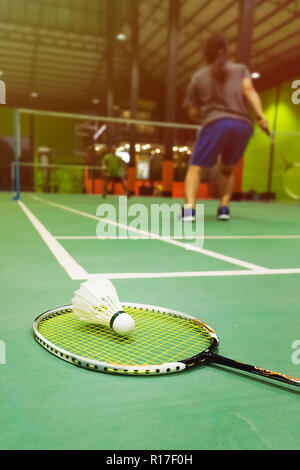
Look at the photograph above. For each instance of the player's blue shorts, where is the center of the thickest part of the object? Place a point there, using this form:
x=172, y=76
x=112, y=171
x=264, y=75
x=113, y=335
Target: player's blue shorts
x=226, y=137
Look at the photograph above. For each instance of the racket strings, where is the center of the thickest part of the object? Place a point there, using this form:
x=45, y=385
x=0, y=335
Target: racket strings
x=158, y=338
x=291, y=181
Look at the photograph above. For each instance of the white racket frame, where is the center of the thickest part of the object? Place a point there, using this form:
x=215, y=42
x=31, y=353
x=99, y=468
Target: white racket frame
x=101, y=366
x=287, y=190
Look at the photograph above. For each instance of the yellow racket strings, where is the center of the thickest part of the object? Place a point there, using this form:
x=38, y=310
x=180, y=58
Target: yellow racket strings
x=158, y=338
x=291, y=181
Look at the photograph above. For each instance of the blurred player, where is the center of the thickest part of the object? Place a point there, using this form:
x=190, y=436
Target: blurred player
x=216, y=98
x=114, y=170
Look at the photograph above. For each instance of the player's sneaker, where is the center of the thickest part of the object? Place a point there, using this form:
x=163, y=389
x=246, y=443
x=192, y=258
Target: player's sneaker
x=223, y=213
x=188, y=215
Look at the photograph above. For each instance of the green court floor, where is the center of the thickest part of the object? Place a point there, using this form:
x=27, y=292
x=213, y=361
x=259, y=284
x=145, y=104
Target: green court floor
x=244, y=282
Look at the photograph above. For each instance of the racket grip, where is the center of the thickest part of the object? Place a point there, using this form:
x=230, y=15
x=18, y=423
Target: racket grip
x=216, y=359
x=268, y=133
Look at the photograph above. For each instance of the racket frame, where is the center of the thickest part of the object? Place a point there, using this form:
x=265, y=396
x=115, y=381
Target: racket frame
x=207, y=356
x=290, y=167
x=101, y=366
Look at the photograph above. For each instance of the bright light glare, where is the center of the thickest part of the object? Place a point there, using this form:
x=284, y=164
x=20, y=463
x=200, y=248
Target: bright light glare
x=124, y=155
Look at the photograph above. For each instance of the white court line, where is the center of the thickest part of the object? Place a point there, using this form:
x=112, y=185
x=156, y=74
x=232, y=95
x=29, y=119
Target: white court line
x=154, y=236
x=206, y=237
x=74, y=270
x=248, y=272
x=252, y=237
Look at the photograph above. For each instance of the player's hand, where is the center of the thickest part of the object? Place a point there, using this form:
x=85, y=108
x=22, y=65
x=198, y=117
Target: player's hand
x=263, y=124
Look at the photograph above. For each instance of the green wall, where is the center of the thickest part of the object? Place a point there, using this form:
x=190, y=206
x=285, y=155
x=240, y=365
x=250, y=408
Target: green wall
x=56, y=133
x=59, y=134
x=7, y=123
x=257, y=157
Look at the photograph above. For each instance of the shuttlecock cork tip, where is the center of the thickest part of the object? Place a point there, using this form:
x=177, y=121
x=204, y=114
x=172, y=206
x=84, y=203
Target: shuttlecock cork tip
x=122, y=323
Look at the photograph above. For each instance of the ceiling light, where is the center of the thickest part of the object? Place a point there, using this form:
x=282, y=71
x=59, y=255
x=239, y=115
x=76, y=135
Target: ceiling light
x=121, y=37
x=34, y=94
x=255, y=75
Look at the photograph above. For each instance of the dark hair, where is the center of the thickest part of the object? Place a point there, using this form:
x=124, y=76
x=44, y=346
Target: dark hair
x=216, y=53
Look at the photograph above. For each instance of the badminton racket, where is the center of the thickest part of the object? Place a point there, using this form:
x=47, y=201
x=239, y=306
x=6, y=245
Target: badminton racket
x=164, y=341
x=291, y=178
x=291, y=172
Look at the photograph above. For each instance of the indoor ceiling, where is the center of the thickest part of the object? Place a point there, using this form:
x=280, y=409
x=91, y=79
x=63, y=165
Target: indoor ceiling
x=54, y=52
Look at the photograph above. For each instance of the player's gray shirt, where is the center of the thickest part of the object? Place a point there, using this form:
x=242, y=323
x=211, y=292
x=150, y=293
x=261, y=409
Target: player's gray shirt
x=216, y=100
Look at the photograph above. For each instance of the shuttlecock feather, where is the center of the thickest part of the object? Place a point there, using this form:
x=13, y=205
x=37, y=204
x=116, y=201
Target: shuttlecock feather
x=96, y=301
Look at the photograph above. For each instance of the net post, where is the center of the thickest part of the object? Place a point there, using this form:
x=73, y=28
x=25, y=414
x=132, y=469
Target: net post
x=17, y=151
x=272, y=145
x=245, y=29
x=110, y=54
x=134, y=92
x=171, y=94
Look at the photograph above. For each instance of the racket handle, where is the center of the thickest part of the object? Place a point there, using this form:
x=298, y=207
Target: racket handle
x=216, y=359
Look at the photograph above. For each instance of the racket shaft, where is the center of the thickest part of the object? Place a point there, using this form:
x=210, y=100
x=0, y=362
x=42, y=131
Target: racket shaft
x=216, y=359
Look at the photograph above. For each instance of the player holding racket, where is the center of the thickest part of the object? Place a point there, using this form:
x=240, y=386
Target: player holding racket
x=216, y=98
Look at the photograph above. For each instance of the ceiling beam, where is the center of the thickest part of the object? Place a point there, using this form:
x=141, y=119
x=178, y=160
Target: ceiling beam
x=245, y=31
x=281, y=58
x=280, y=41
x=279, y=26
x=264, y=18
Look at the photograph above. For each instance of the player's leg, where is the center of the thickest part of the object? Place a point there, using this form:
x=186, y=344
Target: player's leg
x=208, y=146
x=192, y=181
x=236, y=140
x=191, y=185
x=105, y=186
x=125, y=189
x=226, y=185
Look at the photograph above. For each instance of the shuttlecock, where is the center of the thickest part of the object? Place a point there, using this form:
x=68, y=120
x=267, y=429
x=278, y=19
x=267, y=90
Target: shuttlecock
x=96, y=301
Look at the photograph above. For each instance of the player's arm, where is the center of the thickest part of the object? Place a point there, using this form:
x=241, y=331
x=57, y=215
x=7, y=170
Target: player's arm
x=192, y=102
x=104, y=163
x=194, y=114
x=253, y=98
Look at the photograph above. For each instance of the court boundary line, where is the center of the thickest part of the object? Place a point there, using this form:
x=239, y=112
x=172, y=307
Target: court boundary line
x=243, y=272
x=151, y=235
x=77, y=272
x=74, y=270
x=206, y=237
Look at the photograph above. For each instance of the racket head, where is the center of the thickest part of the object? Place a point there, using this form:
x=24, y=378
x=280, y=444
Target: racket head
x=291, y=181
x=164, y=341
